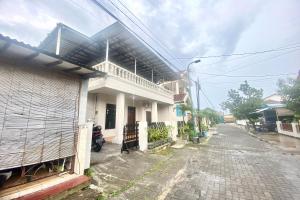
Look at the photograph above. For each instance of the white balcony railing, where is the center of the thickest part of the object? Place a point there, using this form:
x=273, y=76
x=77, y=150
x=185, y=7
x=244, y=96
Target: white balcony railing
x=117, y=71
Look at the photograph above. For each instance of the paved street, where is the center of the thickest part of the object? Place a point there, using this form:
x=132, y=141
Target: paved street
x=231, y=165
x=234, y=165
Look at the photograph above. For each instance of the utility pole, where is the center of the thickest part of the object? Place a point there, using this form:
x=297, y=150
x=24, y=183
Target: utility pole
x=198, y=87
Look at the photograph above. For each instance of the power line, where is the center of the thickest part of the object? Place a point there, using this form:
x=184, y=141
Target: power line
x=150, y=31
x=241, y=54
x=206, y=97
x=149, y=35
x=239, y=76
x=234, y=82
x=263, y=60
x=117, y=19
x=260, y=61
x=201, y=89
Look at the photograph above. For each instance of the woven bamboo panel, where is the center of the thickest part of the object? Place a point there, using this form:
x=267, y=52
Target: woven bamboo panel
x=38, y=115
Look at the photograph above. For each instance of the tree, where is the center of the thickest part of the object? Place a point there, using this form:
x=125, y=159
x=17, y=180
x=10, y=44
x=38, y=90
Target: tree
x=210, y=114
x=183, y=108
x=242, y=103
x=289, y=89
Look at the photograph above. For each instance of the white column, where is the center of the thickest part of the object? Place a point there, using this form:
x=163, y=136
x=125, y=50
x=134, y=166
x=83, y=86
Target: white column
x=83, y=147
x=177, y=87
x=173, y=130
x=120, y=117
x=278, y=124
x=154, y=116
x=83, y=101
x=106, y=56
x=294, y=128
x=143, y=135
x=107, y=50
x=58, y=40
x=152, y=75
x=135, y=66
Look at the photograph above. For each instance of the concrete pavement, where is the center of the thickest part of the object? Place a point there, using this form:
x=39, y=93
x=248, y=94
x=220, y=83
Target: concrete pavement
x=234, y=165
x=231, y=165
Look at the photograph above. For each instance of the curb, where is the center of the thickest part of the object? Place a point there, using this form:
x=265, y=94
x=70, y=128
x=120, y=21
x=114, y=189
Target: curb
x=255, y=136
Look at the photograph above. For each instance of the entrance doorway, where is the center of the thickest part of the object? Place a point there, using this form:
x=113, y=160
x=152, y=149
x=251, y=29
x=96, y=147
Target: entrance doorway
x=148, y=117
x=131, y=115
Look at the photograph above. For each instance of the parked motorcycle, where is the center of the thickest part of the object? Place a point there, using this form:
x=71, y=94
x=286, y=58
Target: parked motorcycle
x=97, y=139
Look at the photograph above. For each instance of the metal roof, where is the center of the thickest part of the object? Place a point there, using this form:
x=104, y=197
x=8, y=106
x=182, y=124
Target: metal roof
x=11, y=49
x=124, y=48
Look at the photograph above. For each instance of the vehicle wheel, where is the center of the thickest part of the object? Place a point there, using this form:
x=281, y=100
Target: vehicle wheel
x=98, y=147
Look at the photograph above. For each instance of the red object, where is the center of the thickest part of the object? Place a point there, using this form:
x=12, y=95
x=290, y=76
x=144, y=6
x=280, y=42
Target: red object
x=56, y=189
x=179, y=97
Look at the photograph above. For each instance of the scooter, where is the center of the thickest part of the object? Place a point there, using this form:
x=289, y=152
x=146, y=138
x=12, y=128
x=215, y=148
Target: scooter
x=97, y=139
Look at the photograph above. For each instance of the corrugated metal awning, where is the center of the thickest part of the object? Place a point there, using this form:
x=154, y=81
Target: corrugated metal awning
x=13, y=50
x=124, y=48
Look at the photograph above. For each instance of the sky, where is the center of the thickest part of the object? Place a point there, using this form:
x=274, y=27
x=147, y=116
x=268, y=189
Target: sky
x=184, y=31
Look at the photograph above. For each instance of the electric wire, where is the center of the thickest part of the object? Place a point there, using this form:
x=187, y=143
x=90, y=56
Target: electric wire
x=248, y=76
x=149, y=35
x=148, y=29
x=206, y=97
x=241, y=54
x=139, y=37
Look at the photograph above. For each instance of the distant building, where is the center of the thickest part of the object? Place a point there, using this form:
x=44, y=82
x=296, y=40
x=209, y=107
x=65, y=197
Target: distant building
x=229, y=118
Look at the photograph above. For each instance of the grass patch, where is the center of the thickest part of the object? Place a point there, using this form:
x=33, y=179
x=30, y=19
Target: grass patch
x=165, y=152
x=159, y=166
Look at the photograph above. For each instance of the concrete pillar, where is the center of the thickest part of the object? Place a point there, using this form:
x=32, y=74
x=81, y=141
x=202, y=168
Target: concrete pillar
x=294, y=128
x=143, y=135
x=107, y=50
x=106, y=56
x=278, y=124
x=83, y=147
x=173, y=129
x=83, y=101
x=176, y=87
x=154, y=116
x=58, y=41
x=120, y=117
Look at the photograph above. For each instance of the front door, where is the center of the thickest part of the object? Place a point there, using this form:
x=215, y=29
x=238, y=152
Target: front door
x=131, y=115
x=148, y=116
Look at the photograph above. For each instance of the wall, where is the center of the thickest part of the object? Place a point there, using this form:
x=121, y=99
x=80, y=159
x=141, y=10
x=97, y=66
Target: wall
x=165, y=113
x=100, y=111
x=117, y=84
x=91, y=103
x=96, y=110
x=293, y=134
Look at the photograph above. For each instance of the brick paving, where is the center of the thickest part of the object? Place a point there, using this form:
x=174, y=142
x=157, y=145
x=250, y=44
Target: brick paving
x=231, y=165
x=234, y=165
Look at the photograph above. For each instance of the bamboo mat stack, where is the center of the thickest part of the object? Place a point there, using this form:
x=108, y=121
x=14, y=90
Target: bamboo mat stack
x=38, y=115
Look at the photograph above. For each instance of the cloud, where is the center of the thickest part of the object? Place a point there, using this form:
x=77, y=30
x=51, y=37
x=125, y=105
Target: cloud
x=31, y=21
x=198, y=27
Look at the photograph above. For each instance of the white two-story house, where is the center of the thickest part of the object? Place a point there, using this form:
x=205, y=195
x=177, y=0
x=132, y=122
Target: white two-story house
x=133, y=89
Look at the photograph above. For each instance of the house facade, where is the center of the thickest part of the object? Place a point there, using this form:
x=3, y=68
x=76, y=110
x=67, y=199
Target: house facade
x=43, y=101
x=139, y=85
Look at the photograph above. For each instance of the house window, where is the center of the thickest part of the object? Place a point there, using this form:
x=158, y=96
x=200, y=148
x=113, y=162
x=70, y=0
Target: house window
x=110, y=119
x=178, y=111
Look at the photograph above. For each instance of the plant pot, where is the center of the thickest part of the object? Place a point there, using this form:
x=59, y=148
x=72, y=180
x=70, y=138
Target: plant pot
x=195, y=140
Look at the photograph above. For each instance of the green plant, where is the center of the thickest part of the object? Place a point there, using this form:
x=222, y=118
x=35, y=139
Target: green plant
x=88, y=172
x=204, y=127
x=290, y=91
x=158, y=133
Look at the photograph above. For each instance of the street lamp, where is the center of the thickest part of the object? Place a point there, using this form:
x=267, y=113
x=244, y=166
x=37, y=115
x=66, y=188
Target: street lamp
x=188, y=77
x=189, y=84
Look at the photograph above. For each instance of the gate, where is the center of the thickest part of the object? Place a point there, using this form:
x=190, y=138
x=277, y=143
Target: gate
x=130, y=137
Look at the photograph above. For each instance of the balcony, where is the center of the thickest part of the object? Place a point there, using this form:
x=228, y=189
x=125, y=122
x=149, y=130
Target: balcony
x=123, y=80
